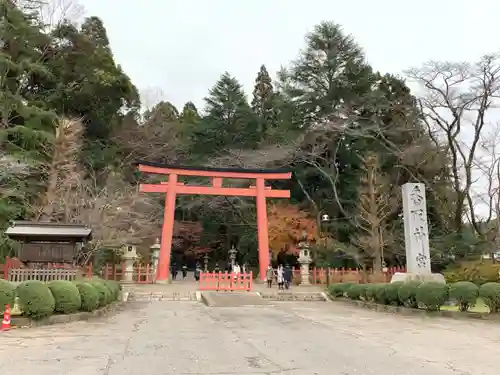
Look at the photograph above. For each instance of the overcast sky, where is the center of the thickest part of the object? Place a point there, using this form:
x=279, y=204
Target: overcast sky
x=176, y=49
x=183, y=46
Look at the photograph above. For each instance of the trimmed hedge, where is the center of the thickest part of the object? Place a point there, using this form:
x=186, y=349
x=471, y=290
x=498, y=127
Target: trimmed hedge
x=408, y=294
x=89, y=296
x=428, y=295
x=465, y=293
x=355, y=291
x=490, y=293
x=339, y=290
x=35, y=299
x=432, y=295
x=392, y=293
x=66, y=295
x=102, y=290
x=7, y=295
x=114, y=288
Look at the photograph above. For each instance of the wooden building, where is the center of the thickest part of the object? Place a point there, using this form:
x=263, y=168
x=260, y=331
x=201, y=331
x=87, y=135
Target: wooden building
x=45, y=242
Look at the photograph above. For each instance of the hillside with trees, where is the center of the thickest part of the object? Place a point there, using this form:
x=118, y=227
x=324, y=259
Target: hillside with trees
x=72, y=124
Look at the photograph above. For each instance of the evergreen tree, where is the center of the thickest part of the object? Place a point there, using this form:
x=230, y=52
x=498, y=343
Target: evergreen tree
x=95, y=31
x=227, y=111
x=263, y=101
x=162, y=112
x=25, y=124
x=189, y=114
x=329, y=72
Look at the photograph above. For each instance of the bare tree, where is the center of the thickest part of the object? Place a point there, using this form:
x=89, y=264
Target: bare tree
x=377, y=202
x=457, y=100
x=65, y=174
x=55, y=12
x=118, y=215
x=153, y=140
x=151, y=96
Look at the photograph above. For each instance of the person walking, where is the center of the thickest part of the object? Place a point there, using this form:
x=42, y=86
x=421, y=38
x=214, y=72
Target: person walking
x=174, y=271
x=280, y=278
x=287, y=276
x=184, y=271
x=197, y=272
x=236, y=270
x=269, y=276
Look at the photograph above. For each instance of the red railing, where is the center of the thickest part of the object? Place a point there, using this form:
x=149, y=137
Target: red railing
x=142, y=273
x=226, y=281
x=337, y=275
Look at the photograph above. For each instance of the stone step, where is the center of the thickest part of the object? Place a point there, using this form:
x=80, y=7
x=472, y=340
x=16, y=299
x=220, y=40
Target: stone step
x=232, y=299
x=294, y=296
x=162, y=296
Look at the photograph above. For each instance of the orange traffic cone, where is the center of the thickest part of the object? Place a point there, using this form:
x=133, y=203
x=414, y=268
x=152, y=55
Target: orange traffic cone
x=6, y=319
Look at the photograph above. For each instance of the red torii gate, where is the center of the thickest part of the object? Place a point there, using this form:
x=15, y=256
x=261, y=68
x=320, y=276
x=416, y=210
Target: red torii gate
x=173, y=187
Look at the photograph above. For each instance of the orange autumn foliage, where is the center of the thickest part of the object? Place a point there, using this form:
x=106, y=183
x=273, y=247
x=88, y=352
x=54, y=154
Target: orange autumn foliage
x=286, y=224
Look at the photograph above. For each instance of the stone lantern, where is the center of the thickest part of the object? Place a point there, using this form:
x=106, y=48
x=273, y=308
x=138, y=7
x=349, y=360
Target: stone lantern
x=155, y=255
x=232, y=256
x=304, y=260
x=129, y=256
x=205, y=262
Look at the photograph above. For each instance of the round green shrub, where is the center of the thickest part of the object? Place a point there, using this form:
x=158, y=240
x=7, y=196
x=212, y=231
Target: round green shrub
x=66, y=296
x=89, y=296
x=380, y=295
x=35, y=299
x=364, y=291
x=432, y=295
x=335, y=290
x=408, y=293
x=392, y=293
x=102, y=291
x=354, y=291
x=370, y=292
x=345, y=287
x=7, y=295
x=465, y=293
x=490, y=293
x=339, y=290
x=114, y=288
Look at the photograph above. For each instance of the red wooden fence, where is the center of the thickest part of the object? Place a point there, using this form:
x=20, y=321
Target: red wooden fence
x=226, y=281
x=142, y=274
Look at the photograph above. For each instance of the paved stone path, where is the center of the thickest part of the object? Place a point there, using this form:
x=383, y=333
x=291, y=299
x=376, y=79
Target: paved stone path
x=288, y=339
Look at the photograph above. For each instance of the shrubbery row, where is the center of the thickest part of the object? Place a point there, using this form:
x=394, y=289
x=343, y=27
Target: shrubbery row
x=428, y=295
x=38, y=300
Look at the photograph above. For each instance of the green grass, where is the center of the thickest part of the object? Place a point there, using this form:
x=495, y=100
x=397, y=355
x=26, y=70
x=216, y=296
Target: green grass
x=480, y=307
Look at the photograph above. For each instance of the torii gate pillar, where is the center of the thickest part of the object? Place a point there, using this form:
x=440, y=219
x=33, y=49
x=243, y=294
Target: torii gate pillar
x=173, y=187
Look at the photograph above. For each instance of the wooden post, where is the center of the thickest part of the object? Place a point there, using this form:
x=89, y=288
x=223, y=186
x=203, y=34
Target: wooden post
x=167, y=230
x=262, y=228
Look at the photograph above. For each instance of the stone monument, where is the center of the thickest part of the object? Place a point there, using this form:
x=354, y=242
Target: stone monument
x=129, y=257
x=418, y=259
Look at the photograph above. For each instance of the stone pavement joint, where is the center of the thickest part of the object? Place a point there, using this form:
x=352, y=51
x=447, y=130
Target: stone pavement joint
x=291, y=338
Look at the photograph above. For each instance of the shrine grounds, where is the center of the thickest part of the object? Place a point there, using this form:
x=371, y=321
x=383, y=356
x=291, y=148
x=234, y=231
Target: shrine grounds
x=288, y=338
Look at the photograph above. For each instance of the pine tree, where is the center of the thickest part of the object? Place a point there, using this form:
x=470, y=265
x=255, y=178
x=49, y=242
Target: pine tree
x=24, y=123
x=189, y=114
x=329, y=72
x=227, y=109
x=162, y=112
x=263, y=101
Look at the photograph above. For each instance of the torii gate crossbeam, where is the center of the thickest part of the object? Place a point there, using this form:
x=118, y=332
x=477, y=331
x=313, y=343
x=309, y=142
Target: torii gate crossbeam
x=173, y=187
